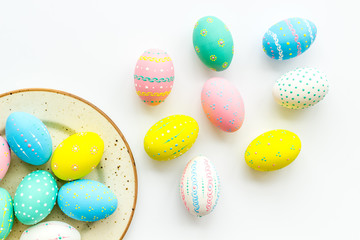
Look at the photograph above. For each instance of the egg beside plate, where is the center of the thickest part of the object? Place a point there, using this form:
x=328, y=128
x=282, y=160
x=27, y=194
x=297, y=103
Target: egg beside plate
x=171, y=137
x=273, y=150
x=51, y=230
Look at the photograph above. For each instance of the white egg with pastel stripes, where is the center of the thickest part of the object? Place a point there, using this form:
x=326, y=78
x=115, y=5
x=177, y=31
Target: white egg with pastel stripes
x=301, y=88
x=199, y=186
x=51, y=230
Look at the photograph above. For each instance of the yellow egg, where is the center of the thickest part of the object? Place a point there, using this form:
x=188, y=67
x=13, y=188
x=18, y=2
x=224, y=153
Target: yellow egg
x=77, y=156
x=171, y=137
x=273, y=150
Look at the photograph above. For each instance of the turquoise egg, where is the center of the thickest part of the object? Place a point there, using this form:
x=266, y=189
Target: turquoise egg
x=28, y=137
x=7, y=213
x=87, y=200
x=35, y=197
x=289, y=38
x=213, y=43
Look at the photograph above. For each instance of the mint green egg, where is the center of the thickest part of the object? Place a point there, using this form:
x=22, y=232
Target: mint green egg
x=213, y=43
x=7, y=213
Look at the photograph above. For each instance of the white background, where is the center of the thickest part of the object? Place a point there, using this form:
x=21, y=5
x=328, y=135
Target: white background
x=90, y=48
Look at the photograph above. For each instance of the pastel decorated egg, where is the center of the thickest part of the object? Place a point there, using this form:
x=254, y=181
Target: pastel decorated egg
x=223, y=104
x=4, y=157
x=199, y=186
x=7, y=213
x=35, y=197
x=154, y=76
x=28, y=137
x=289, y=38
x=273, y=150
x=77, y=156
x=171, y=137
x=52, y=230
x=213, y=43
x=301, y=88
x=87, y=200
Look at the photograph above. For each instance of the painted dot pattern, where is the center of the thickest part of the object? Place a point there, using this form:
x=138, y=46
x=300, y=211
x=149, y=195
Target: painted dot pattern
x=87, y=200
x=301, y=88
x=273, y=150
x=77, y=156
x=35, y=197
x=289, y=38
x=7, y=215
x=171, y=137
x=213, y=43
x=223, y=104
x=29, y=138
x=154, y=76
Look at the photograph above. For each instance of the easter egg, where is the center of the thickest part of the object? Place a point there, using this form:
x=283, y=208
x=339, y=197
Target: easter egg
x=223, y=104
x=301, y=88
x=28, y=137
x=171, y=137
x=87, y=200
x=289, y=38
x=154, y=76
x=213, y=43
x=77, y=156
x=35, y=197
x=273, y=150
x=4, y=157
x=199, y=186
x=51, y=230
x=7, y=213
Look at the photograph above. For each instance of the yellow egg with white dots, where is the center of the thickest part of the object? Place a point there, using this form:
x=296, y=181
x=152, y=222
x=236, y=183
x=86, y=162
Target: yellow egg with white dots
x=171, y=137
x=273, y=150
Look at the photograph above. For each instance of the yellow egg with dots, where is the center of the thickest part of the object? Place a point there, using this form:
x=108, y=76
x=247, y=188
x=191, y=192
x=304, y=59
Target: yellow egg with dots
x=171, y=137
x=273, y=150
x=77, y=156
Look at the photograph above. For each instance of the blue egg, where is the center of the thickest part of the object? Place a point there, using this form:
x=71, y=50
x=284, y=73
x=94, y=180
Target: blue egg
x=87, y=200
x=289, y=38
x=7, y=213
x=29, y=138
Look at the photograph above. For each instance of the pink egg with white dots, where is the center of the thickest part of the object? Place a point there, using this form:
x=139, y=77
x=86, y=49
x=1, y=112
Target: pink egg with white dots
x=223, y=104
x=4, y=157
x=154, y=76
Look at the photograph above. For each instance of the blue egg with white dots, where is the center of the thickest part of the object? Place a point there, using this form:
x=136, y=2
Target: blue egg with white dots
x=87, y=200
x=289, y=38
x=35, y=197
x=28, y=137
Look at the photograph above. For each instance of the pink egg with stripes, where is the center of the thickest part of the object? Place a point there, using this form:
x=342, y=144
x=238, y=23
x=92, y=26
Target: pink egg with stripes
x=4, y=157
x=223, y=104
x=154, y=76
x=199, y=186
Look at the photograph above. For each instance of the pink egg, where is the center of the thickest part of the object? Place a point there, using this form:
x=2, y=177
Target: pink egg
x=223, y=104
x=4, y=157
x=154, y=76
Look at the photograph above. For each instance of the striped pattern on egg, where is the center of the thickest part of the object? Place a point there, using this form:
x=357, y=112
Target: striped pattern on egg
x=154, y=76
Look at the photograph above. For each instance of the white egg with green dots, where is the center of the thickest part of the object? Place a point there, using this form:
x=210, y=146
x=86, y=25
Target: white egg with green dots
x=301, y=88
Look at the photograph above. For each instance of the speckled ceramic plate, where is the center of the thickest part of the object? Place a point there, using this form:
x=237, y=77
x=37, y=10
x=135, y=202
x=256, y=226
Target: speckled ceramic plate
x=65, y=114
